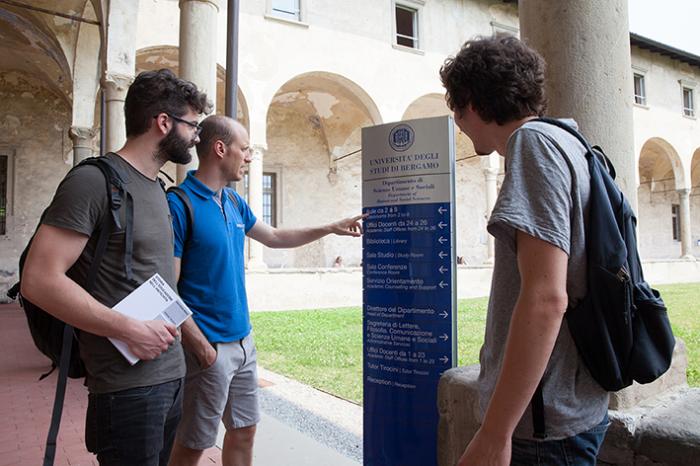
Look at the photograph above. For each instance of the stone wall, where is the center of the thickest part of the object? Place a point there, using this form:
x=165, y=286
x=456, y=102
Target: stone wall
x=654, y=424
x=311, y=192
x=470, y=207
x=34, y=127
x=661, y=119
x=655, y=226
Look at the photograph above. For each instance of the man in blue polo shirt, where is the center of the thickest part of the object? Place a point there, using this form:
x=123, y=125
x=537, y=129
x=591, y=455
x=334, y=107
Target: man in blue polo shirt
x=221, y=381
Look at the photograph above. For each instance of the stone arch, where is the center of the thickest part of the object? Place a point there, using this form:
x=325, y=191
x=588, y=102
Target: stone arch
x=30, y=46
x=337, y=105
x=99, y=6
x=659, y=162
x=36, y=84
x=695, y=202
x=661, y=175
x=433, y=105
x=471, y=206
x=313, y=135
x=428, y=105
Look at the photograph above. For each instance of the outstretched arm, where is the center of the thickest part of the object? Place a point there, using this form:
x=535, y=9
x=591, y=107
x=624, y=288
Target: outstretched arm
x=293, y=237
x=536, y=321
x=45, y=283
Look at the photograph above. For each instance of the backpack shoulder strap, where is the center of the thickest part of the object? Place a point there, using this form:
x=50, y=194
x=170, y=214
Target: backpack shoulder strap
x=117, y=195
x=592, y=153
x=57, y=411
x=114, y=183
x=189, y=209
x=569, y=129
x=232, y=196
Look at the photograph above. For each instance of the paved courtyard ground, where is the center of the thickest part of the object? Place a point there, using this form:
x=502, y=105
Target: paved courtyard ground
x=300, y=426
x=26, y=402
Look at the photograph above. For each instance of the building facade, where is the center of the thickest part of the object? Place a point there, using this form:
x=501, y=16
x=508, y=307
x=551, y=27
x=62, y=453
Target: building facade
x=312, y=73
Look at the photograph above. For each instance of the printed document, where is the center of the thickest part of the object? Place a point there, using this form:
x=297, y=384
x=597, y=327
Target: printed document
x=153, y=300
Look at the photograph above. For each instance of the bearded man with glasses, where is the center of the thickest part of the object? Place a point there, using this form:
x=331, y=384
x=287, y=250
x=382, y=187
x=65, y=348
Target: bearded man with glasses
x=132, y=410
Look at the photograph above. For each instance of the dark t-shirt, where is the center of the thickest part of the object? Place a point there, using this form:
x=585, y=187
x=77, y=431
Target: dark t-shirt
x=79, y=205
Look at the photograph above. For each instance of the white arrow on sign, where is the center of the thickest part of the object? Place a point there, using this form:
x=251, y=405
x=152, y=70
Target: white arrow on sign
x=443, y=314
x=442, y=225
x=442, y=254
x=444, y=337
x=444, y=359
x=442, y=269
x=441, y=210
x=442, y=240
x=442, y=284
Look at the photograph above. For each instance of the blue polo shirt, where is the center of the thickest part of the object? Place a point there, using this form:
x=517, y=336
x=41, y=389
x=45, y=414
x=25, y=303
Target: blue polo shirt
x=212, y=275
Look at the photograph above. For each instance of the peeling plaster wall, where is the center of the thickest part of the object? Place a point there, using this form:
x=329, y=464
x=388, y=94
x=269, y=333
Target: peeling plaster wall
x=307, y=129
x=311, y=193
x=33, y=127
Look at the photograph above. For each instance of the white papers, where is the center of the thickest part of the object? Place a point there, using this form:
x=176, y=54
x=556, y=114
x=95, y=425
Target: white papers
x=153, y=300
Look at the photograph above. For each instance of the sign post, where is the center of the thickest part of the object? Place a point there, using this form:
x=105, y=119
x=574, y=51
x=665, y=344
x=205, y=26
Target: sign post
x=409, y=295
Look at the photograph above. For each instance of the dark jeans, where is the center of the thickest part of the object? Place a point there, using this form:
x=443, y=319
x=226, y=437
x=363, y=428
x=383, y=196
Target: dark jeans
x=134, y=427
x=579, y=450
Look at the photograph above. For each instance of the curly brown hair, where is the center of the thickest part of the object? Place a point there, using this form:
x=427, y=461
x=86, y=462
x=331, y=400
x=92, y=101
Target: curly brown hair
x=499, y=76
x=155, y=92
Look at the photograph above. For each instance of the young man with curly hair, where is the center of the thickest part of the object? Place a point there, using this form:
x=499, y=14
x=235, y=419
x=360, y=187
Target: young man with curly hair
x=495, y=87
x=132, y=411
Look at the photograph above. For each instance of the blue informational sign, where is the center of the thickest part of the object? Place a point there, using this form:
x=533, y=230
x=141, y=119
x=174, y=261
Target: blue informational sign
x=409, y=296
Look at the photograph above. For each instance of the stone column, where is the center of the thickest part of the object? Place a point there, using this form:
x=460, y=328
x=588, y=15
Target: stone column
x=197, y=53
x=255, y=201
x=589, y=73
x=686, y=245
x=82, y=138
x=490, y=166
x=115, y=87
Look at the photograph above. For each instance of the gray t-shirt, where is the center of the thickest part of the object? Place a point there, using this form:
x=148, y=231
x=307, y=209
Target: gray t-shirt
x=79, y=205
x=545, y=194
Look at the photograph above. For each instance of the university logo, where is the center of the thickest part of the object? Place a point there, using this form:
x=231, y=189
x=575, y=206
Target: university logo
x=401, y=137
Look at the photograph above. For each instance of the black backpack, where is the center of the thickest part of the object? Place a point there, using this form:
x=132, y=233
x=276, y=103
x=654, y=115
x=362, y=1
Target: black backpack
x=54, y=338
x=621, y=327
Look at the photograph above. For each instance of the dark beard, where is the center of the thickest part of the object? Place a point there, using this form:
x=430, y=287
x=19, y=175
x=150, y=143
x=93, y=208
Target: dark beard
x=175, y=149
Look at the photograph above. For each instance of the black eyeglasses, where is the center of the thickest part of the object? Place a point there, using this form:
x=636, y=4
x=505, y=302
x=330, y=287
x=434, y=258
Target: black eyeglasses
x=196, y=126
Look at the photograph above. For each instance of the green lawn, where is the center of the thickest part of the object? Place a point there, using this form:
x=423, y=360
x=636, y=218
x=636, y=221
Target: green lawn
x=323, y=348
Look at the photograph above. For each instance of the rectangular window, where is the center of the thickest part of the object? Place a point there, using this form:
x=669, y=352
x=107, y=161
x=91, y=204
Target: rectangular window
x=688, y=104
x=406, y=26
x=640, y=94
x=270, y=198
x=288, y=9
x=269, y=213
x=676, y=220
x=4, y=194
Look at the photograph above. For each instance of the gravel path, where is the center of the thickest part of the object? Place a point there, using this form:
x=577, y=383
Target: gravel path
x=325, y=418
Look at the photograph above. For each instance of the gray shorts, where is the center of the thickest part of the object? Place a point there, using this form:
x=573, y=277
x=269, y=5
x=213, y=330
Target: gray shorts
x=227, y=391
